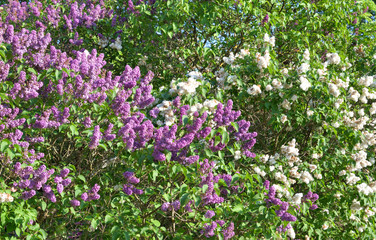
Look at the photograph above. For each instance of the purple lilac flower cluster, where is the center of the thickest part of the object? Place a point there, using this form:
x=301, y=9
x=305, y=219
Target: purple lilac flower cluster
x=136, y=131
x=209, y=229
x=37, y=179
x=92, y=194
x=265, y=20
x=169, y=206
x=208, y=178
x=284, y=206
x=224, y=116
x=282, y=229
x=129, y=188
x=97, y=135
x=310, y=196
x=78, y=15
x=188, y=207
x=61, y=182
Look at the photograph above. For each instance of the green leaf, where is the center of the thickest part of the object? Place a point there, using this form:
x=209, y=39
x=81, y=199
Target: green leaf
x=108, y=218
x=2, y=54
x=184, y=199
x=58, y=74
x=103, y=146
x=168, y=156
x=185, y=120
x=73, y=129
x=238, y=208
x=18, y=148
x=217, y=140
x=18, y=232
x=44, y=205
x=32, y=71
x=204, y=188
x=94, y=223
x=4, y=144
x=156, y=222
x=225, y=137
x=155, y=174
x=81, y=177
x=10, y=153
x=19, y=69
x=235, y=125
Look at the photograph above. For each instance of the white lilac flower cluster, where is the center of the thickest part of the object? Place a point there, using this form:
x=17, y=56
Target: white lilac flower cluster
x=254, y=90
x=166, y=110
x=269, y=40
x=291, y=153
x=210, y=105
x=103, y=42
x=304, y=83
x=223, y=79
x=232, y=57
x=221, y=76
x=332, y=58
x=263, y=61
x=5, y=197
x=303, y=68
x=357, y=210
x=117, y=44
x=188, y=87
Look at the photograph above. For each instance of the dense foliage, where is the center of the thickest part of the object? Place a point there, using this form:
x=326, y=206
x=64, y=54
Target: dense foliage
x=161, y=119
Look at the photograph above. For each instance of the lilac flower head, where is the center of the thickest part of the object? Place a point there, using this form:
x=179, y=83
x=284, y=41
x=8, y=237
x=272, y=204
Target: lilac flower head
x=28, y=194
x=282, y=229
x=47, y=188
x=64, y=172
x=229, y=232
x=165, y=206
x=127, y=190
x=265, y=19
x=75, y=203
x=133, y=180
x=85, y=197
x=66, y=182
x=177, y=102
x=288, y=217
x=138, y=191
x=187, y=207
x=87, y=122
x=128, y=174
x=95, y=138
x=313, y=207
x=220, y=222
x=209, y=214
x=267, y=184
x=209, y=229
x=58, y=179
x=60, y=188
x=176, y=205
x=154, y=112
x=95, y=188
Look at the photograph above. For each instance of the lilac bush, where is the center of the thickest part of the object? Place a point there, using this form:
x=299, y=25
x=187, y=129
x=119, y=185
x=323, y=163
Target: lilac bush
x=138, y=119
x=68, y=123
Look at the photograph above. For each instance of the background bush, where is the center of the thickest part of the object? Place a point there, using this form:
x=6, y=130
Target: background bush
x=139, y=119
